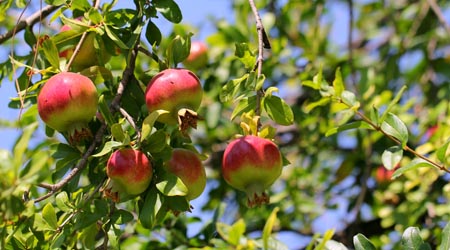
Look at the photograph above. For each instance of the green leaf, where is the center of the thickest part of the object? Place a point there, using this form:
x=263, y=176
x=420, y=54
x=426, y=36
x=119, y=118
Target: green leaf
x=22, y=144
x=171, y=185
x=149, y=121
x=322, y=102
x=349, y=98
x=392, y=103
x=150, y=209
x=374, y=115
x=108, y=147
x=348, y=126
x=411, y=240
x=392, y=125
x=414, y=164
x=153, y=34
x=245, y=55
x=278, y=110
x=338, y=84
x=104, y=110
x=98, y=74
x=268, y=227
x=445, y=243
x=95, y=16
x=62, y=202
x=441, y=152
x=169, y=9
x=311, y=84
x=230, y=90
x=117, y=132
x=245, y=105
x=232, y=234
x=391, y=157
x=49, y=216
x=51, y=53
x=115, y=38
x=362, y=243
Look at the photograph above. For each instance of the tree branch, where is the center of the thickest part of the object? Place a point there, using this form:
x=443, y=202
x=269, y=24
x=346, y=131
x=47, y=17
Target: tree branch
x=30, y=21
x=439, y=14
x=126, y=77
x=263, y=43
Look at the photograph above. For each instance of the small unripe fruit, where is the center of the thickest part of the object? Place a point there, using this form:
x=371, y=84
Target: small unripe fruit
x=187, y=166
x=177, y=91
x=66, y=103
x=130, y=173
x=198, y=56
x=252, y=164
x=88, y=55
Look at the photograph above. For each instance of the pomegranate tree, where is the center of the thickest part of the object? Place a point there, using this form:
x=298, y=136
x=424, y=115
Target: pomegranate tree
x=187, y=166
x=130, y=172
x=66, y=103
x=177, y=91
x=198, y=56
x=252, y=164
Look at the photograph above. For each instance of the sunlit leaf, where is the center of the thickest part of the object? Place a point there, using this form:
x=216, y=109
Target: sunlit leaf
x=268, y=227
x=278, y=110
x=393, y=126
x=414, y=164
x=391, y=157
x=169, y=9
x=362, y=243
x=411, y=240
x=49, y=215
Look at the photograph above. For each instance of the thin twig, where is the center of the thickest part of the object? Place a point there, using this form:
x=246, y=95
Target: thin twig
x=126, y=76
x=149, y=54
x=437, y=10
x=131, y=122
x=263, y=42
x=30, y=21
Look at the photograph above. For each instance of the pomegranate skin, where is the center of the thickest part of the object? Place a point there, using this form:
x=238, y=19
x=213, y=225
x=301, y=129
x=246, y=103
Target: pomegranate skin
x=67, y=101
x=173, y=90
x=252, y=164
x=187, y=166
x=198, y=56
x=130, y=173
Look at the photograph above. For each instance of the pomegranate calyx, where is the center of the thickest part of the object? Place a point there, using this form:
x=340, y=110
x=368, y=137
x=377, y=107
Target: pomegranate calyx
x=187, y=118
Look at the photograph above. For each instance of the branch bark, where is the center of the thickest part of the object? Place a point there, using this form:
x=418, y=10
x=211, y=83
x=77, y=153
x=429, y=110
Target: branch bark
x=30, y=21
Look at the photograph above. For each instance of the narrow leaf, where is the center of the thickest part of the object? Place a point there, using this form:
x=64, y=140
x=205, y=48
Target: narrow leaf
x=150, y=209
x=244, y=106
x=441, y=152
x=268, y=227
x=153, y=34
x=109, y=146
x=51, y=53
x=414, y=164
x=392, y=103
x=338, y=84
x=348, y=126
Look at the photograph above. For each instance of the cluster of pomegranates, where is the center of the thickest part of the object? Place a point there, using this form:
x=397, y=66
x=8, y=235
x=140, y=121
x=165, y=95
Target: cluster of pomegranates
x=67, y=102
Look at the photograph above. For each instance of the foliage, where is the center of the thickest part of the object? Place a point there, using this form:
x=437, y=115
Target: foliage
x=338, y=110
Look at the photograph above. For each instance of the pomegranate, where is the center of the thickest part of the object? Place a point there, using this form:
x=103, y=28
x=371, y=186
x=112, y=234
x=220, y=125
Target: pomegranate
x=187, y=166
x=177, y=91
x=66, y=103
x=198, y=56
x=130, y=172
x=252, y=164
x=88, y=55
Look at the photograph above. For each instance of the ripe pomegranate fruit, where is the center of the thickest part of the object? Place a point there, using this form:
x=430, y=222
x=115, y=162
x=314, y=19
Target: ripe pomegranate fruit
x=187, y=166
x=88, y=55
x=66, y=103
x=383, y=175
x=198, y=56
x=252, y=164
x=130, y=172
x=177, y=91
